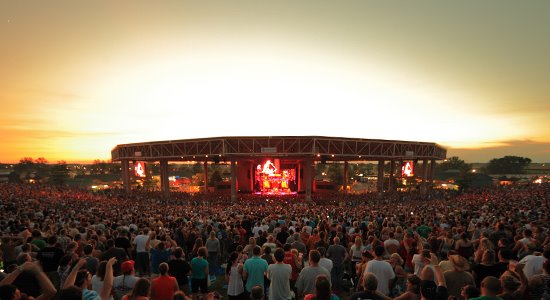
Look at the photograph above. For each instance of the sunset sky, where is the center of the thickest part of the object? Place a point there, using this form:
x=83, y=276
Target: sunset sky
x=79, y=77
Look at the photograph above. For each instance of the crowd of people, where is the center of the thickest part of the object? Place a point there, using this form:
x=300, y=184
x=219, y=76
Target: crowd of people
x=65, y=243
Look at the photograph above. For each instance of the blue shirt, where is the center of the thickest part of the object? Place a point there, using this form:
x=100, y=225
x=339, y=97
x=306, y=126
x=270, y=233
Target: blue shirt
x=255, y=267
x=90, y=294
x=158, y=257
x=198, y=267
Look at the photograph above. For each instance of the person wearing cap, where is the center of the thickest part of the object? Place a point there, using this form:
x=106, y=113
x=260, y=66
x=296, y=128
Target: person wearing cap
x=458, y=277
x=124, y=283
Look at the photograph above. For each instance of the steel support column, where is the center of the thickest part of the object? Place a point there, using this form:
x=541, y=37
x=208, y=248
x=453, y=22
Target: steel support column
x=233, y=180
x=299, y=176
x=424, y=175
x=345, y=179
x=126, y=175
x=380, y=183
x=431, y=174
x=164, y=184
x=308, y=178
x=252, y=177
x=392, y=171
x=206, y=176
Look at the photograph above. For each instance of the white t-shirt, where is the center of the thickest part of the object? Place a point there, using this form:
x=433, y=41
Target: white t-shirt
x=279, y=274
x=326, y=263
x=418, y=262
x=533, y=265
x=384, y=273
x=140, y=241
x=391, y=242
x=357, y=252
x=255, y=231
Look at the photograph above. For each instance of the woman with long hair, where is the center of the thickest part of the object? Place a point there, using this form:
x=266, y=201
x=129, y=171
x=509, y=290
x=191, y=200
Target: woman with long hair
x=234, y=277
x=400, y=276
x=355, y=252
x=464, y=246
x=484, y=245
x=97, y=279
x=214, y=249
x=200, y=272
x=141, y=290
x=412, y=291
x=446, y=244
x=487, y=267
x=322, y=290
x=198, y=244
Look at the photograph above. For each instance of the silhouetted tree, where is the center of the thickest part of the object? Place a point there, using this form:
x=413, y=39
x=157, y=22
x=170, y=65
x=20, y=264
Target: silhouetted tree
x=453, y=163
x=14, y=177
x=508, y=165
x=59, y=173
x=215, y=178
x=335, y=172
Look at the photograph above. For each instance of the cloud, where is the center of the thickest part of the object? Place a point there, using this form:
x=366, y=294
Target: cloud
x=535, y=150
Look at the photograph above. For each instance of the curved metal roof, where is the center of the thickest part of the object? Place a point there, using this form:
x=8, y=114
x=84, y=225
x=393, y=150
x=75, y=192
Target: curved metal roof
x=299, y=147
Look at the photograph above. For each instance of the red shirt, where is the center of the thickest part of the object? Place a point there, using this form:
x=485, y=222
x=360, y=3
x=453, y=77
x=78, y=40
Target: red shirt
x=290, y=259
x=164, y=287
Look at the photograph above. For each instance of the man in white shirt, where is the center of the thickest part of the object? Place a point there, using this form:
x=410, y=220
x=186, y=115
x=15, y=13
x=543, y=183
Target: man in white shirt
x=256, y=230
x=306, y=280
x=279, y=273
x=324, y=262
x=533, y=263
x=382, y=270
x=391, y=244
x=141, y=242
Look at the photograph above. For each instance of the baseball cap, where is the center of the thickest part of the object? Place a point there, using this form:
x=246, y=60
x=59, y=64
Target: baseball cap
x=127, y=266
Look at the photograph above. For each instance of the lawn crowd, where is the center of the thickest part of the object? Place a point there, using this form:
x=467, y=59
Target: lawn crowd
x=65, y=243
